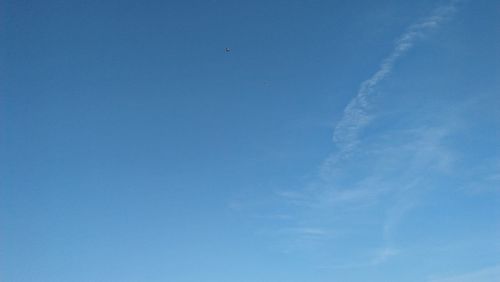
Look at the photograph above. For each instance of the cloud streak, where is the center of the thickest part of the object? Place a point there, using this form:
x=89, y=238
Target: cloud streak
x=364, y=191
x=354, y=185
x=356, y=115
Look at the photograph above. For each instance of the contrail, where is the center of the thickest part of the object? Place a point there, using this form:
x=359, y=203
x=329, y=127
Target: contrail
x=356, y=115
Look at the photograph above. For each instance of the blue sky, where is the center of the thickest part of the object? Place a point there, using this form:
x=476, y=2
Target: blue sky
x=344, y=141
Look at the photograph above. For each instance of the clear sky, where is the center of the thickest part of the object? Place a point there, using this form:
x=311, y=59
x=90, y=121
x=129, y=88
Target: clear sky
x=337, y=141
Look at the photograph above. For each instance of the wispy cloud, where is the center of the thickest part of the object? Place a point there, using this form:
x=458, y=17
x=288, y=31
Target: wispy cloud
x=383, y=255
x=372, y=192
x=377, y=258
x=356, y=115
x=310, y=231
x=374, y=183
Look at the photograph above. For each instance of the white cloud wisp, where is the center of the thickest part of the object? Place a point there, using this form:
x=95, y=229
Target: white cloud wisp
x=356, y=114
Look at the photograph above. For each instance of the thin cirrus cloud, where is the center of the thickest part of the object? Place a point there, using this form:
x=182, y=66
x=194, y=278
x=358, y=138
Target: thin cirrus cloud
x=420, y=149
x=356, y=115
x=389, y=170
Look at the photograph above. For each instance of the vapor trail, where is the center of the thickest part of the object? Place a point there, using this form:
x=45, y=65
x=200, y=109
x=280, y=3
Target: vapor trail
x=356, y=116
